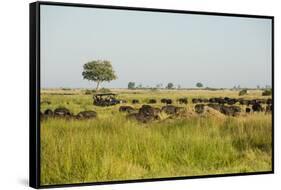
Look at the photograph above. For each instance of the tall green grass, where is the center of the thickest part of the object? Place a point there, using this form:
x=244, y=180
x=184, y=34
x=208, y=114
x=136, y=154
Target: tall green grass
x=112, y=147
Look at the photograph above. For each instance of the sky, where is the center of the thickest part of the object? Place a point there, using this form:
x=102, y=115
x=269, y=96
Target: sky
x=151, y=48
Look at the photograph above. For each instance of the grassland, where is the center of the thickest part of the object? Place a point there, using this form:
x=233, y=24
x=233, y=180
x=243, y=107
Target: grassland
x=112, y=147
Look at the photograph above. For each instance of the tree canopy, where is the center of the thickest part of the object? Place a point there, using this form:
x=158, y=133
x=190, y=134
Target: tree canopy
x=170, y=85
x=131, y=85
x=199, y=85
x=99, y=71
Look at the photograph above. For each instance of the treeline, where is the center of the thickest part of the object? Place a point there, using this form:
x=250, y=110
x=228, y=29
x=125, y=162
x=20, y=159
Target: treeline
x=170, y=85
x=267, y=89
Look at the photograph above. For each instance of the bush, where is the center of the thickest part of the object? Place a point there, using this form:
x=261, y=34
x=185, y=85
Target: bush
x=243, y=92
x=66, y=89
x=212, y=89
x=89, y=92
x=104, y=90
x=131, y=85
x=267, y=92
x=154, y=89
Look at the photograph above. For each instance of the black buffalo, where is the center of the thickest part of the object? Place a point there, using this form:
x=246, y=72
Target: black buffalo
x=217, y=100
x=257, y=107
x=166, y=101
x=48, y=112
x=199, y=108
x=268, y=108
x=227, y=110
x=146, y=113
x=248, y=110
x=152, y=101
x=149, y=110
x=182, y=100
x=230, y=101
x=61, y=112
x=86, y=115
x=230, y=110
x=135, y=101
x=128, y=109
x=196, y=100
x=172, y=110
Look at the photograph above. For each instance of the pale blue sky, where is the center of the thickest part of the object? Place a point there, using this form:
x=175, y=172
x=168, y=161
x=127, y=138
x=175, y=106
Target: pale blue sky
x=152, y=48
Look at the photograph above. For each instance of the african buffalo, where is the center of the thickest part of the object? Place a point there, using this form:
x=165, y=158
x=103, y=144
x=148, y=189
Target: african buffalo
x=62, y=112
x=172, y=110
x=227, y=110
x=86, y=115
x=48, y=112
x=257, y=107
x=268, y=108
x=182, y=100
x=199, y=108
x=149, y=110
x=128, y=109
x=146, y=113
x=166, y=101
x=230, y=110
x=230, y=101
x=152, y=101
x=135, y=101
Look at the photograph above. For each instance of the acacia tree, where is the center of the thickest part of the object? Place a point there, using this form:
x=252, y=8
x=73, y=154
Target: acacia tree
x=199, y=85
x=98, y=71
x=131, y=85
x=170, y=85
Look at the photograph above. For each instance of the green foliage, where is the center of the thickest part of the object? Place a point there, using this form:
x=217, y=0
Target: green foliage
x=170, y=85
x=243, y=92
x=267, y=92
x=131, y=85
x=99, y=71
x=199, y=85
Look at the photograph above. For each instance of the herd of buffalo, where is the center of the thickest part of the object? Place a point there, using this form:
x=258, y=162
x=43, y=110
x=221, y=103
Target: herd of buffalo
x=227, y=106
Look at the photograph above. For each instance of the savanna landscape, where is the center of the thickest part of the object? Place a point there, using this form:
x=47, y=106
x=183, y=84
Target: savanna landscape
x=111, y=146
x=131, y=95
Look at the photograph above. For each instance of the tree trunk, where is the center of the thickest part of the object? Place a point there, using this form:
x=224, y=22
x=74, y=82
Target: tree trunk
x=98, y=84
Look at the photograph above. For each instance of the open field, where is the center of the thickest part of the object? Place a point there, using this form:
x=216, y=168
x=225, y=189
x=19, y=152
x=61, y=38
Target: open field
x=113, y=147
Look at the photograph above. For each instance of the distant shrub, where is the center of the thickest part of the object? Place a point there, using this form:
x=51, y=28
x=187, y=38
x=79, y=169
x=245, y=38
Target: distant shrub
x=66, y=88
x=154, y=89
x=89, y=92
x=199, y=85
x=212, y=89
x=104, y=90
x=170, y=85
x=243, y=92
x=267, y=92
x=131, y=85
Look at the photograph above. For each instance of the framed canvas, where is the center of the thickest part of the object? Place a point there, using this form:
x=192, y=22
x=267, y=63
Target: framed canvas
x=127, y=94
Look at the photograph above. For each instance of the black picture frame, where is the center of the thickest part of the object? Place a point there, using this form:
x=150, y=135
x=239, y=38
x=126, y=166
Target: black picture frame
x=34, y=90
